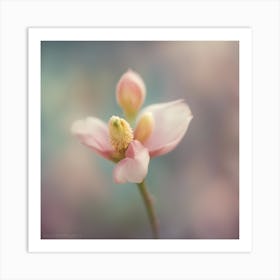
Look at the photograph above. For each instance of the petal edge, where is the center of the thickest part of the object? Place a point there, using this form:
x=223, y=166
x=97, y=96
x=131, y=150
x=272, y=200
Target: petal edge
x=93, y=133
x=134, y=167
x=172, y=120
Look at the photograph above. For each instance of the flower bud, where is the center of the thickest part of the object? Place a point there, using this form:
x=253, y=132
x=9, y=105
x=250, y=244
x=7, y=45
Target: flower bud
x=120, y=133
x=144, y=127
x=130, y=93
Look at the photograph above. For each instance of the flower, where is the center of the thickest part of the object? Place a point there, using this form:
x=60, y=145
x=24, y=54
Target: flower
x=159, y=129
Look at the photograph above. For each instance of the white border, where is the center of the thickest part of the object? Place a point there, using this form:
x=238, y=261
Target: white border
x=263, y=16
x=36, y=35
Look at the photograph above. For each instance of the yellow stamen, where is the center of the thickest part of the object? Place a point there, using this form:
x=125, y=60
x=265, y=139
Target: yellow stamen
x=120, y=133
x=144, y=127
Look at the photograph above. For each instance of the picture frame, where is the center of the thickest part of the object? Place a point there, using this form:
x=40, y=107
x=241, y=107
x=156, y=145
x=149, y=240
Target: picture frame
x=261, y=261
x=38, y=35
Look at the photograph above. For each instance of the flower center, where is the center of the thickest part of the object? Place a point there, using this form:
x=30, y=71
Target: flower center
x=120, y=133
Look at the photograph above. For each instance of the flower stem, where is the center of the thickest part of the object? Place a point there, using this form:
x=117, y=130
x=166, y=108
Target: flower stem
x=150, y=208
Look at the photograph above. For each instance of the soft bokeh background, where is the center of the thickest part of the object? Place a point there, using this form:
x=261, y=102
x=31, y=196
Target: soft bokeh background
x=195, y=187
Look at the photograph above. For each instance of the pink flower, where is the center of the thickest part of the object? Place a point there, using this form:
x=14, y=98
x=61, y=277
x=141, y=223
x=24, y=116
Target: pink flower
x=159, y=129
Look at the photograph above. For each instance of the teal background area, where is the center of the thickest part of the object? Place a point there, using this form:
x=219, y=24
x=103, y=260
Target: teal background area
x=195, y=187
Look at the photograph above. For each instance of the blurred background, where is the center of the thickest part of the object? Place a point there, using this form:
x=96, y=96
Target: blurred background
x=195, y=187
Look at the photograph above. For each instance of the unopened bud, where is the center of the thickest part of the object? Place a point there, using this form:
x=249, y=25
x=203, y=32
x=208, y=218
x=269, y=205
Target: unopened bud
x=144, y=127
x=130, y=93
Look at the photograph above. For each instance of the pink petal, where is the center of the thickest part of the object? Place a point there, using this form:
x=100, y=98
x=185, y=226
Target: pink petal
x=171, y=121
x=134, y=167
x=94, y=133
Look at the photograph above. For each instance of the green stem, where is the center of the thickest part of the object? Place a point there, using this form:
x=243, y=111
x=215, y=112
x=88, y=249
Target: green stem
x=150, y=208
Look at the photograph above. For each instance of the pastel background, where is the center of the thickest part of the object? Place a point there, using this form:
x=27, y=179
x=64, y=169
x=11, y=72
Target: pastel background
x=195, y=187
